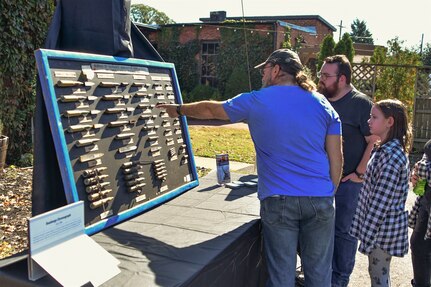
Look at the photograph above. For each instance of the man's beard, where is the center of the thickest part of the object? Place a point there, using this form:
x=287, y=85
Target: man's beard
x=328, y=91
x=267, y=83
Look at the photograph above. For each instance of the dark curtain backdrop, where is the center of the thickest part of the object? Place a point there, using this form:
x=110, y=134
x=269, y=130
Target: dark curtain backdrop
x=97, y=27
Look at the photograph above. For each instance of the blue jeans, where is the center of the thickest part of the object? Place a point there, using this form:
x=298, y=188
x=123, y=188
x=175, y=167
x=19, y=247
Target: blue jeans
x=345, y=245
x=287, y=220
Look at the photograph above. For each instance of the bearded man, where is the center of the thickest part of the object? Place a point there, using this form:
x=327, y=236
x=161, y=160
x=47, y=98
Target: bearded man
x=354, y=108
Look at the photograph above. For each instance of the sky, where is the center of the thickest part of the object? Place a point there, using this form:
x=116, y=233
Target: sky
x=385, y=19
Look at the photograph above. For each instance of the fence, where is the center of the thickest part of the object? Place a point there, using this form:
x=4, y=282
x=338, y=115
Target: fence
x=366, y=79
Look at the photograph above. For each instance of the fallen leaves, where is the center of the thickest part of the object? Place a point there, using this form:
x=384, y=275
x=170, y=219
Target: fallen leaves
x=15, y=208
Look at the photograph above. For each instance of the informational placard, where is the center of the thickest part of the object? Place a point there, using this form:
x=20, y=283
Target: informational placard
x=223, y=172
x=59, y=246
x=116, y=151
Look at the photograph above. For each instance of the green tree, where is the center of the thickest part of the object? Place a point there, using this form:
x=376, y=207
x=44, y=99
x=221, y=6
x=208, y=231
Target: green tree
x=148, y=15
x=379, y=55
x=426, y=55
x=360, y=32
x=340, y=48
x=286, y=44
x=396, y=80
x=348, y=46
x=326, y=49
x=237, y=82
x=345, y=47
x=299, y=41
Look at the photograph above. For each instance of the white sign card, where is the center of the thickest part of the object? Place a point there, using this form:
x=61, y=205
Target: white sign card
x=60, y=247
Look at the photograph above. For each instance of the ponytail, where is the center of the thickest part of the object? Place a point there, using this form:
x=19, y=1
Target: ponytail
x=304, y=82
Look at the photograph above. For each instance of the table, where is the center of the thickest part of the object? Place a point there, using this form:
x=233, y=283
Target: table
x=208, y=236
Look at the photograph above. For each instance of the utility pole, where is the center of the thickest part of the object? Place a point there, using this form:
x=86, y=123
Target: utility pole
x=341, y=28
x=422, y=44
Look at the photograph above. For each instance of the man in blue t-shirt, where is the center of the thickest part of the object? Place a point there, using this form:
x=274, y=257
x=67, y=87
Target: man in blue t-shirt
x=297, y=138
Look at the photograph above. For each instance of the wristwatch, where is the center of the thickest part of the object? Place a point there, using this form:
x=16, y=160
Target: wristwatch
x=179, y=110
x=359, y=175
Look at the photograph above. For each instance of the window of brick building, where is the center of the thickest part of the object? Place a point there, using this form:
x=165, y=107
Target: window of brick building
x=209, y=63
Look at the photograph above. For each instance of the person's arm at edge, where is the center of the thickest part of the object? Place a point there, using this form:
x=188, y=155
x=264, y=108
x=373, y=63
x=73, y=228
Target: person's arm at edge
x=362, y=166
x=199, y=110
x=333, y=146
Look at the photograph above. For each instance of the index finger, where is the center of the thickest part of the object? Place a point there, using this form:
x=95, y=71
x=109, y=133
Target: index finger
x=159, y=105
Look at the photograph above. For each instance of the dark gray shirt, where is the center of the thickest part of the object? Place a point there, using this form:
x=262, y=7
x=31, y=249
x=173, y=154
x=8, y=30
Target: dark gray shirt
x=354, y=111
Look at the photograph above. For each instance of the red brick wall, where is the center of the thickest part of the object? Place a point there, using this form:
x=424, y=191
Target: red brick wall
x=321, y=29
x=211, y=33
x=207, y=32
x=187, y=34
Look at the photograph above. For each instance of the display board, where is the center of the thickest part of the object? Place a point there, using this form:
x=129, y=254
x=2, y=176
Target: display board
x=116, y=151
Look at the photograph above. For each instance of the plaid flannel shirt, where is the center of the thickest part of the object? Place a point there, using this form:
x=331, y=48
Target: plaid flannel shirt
x=423, y=170
x=381, y=219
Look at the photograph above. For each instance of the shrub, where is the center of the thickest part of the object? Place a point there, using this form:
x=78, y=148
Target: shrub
x=202, y=92
x=23, y=27
x=237, y=83
x=25, y=160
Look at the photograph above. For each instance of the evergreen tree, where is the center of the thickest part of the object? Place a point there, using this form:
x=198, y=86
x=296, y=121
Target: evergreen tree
x=426, y=55
x=345, y=47
x=326, y=49
x=348, y=46
x=340, y=48
x=148, y=15
x=360, y=32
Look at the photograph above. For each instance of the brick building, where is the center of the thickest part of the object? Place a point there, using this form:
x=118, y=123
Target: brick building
x=312, y=28
x=306, y=34
x=363, y=51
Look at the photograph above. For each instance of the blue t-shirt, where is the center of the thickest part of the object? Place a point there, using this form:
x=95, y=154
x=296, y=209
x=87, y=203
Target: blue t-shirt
x=288, y=126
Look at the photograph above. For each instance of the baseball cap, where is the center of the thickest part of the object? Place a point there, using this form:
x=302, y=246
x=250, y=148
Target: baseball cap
x=283, y=57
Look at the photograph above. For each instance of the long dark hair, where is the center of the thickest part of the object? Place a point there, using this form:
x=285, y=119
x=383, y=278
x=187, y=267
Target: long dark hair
x=300, y=76
x=305, y=82
x=400, y=129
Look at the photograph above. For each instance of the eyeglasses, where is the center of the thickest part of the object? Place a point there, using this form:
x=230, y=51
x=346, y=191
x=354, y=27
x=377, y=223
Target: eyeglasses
x=262, y=71
x=324, y=76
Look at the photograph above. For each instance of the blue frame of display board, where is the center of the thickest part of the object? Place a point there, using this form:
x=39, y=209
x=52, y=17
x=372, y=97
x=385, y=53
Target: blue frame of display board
x=63, y=148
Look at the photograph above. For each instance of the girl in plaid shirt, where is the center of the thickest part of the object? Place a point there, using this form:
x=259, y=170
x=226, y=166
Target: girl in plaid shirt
x=380, y=221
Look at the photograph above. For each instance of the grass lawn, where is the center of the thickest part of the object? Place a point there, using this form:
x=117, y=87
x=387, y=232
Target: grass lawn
x=209, y=141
